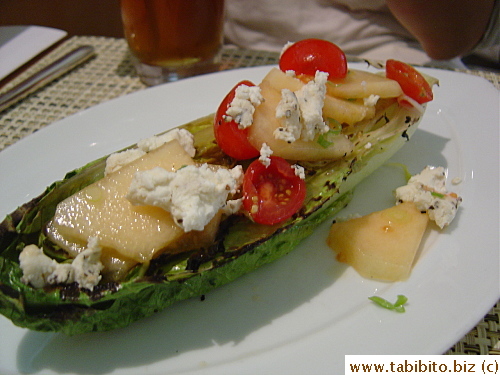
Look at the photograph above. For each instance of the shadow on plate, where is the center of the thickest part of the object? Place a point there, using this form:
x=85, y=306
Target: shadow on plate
x=224, y=317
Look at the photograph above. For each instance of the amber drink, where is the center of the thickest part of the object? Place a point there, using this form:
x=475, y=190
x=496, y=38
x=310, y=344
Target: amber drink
x=172, y=39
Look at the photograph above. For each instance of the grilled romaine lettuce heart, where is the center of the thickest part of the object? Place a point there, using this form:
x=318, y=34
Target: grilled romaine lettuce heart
x=240, y=244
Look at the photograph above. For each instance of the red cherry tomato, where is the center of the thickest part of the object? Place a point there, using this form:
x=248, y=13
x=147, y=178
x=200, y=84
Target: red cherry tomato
x=230, y=138
x=411, y=81
x=309, y=55
x=274, y=193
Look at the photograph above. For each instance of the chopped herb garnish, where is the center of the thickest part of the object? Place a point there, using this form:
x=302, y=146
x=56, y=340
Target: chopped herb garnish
x=334, y=124
x=323, y=138
x=438, y=195
x=323, y=142
x=408, y=175
x=397, y=306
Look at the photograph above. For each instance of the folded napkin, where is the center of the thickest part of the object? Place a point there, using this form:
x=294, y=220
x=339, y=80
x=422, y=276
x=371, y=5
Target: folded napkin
x=19, y=44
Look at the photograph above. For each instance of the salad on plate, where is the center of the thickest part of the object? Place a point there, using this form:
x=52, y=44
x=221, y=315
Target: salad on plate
x=186, y=211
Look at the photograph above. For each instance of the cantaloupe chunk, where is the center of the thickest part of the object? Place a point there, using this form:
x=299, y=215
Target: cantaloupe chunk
x=356, y=85
x=360, y=84
x=101, y=210
x=381, y=245
x=345, y=111
x=341, y=110
x=265, y=123
x=280, y=80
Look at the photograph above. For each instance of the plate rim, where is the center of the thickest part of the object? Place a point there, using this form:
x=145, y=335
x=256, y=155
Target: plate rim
x=133, y=96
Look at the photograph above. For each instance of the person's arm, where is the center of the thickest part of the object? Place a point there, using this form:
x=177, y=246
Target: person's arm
x=445, y=28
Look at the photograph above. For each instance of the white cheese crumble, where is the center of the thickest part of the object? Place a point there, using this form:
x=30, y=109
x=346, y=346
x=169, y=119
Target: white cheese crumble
x=286, y=46
x=265, y=153
x=87, y=265
x=117, y=160
x=302, y=111
x=183, y=136
x=40, y=270
x=299, y=171
x=242, y=107
x=371, y=101
x=232, y=206
x=36, y=266
x=193, y=195
x=288, y=109
x=428, y=191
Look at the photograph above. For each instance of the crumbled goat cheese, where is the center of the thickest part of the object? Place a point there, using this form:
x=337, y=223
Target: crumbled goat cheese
x=87, y=265
x=193, y=195
x=36, y=266
x=428, y=191
x=311, y=99
x=185, y=138
x=288, y=109
x=117, y=160
x=63, y=274
x=40, y=270
x=286, y=46
x=371, y=100
x=291, y=73
x=232, y=206
x=299, y=171
x=242, y=107
x=265, y=153
x=302, y=111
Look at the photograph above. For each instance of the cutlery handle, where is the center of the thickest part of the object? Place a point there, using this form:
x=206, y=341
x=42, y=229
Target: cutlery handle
x=59, y=67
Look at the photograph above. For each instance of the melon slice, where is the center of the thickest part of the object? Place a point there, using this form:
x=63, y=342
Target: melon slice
x=381, y=245
x=265, y=124
x=101, y=210
x=341, y=110
x=360, y=84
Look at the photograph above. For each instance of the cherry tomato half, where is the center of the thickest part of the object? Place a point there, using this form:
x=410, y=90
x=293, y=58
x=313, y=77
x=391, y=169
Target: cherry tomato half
x=230, y=138
x=274, y=193
x=411, y=81
x=309, y=55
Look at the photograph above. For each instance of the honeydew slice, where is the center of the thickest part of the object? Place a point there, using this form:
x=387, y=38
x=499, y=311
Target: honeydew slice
x=101, y=210
x=381, y=245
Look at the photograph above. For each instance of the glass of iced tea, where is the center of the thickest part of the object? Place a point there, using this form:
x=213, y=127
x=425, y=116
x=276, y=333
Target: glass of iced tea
x=172, y=39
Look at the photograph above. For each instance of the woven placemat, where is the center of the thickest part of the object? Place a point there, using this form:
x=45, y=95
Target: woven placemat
x=110, y=74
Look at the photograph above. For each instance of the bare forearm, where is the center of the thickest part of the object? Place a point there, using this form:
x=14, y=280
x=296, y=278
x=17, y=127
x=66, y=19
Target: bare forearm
x=444, y=28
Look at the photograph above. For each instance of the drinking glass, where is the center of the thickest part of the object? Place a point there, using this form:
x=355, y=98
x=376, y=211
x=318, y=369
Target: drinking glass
x=172, y=39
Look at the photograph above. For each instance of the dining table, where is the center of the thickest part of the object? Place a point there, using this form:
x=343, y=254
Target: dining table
x=110, y=74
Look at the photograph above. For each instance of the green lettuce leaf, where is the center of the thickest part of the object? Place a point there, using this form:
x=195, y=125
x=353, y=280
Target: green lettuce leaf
x=241, y=245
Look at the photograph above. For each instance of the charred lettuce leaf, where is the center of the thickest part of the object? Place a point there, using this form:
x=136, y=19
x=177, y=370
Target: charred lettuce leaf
x=240, y=247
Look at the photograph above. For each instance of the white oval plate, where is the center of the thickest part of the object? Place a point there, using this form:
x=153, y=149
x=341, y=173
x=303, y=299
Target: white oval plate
x=303, y=313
